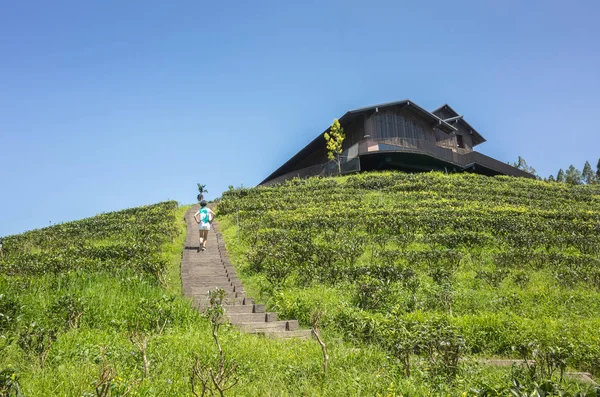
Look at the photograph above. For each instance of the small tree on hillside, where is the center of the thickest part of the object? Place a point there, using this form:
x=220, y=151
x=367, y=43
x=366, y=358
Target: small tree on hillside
x=523, y=166
x=588, y=174
x=334, y=139
x=598, y=172
x=560, y=177
x=573, y=176
x=201, y=191
x=551, y=179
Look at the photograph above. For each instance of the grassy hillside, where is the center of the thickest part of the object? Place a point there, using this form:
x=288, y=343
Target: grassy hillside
x=77, y=300
x=431, y=268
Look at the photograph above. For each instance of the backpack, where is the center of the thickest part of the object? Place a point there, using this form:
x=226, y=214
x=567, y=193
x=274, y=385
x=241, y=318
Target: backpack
x=204, y=216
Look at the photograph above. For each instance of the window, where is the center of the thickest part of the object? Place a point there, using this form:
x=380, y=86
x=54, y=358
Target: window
x=459, y=142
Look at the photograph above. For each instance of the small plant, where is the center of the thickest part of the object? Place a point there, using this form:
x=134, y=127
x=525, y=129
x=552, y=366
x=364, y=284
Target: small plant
x=204, y=379
x=67, y=311
x=543, y=361
x=443, y=347
x=156, y=314
x=373, y=293
x=520, y=277
x=10, y=312
x=105, y=380
x=108, y=383
x=9, y=383
x=316, y=317
x=334, y=139
x=402, y=342
x=492, y=277
x=140, y=341
x=37, y=340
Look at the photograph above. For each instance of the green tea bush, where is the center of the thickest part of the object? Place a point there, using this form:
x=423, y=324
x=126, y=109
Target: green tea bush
x=507, y=260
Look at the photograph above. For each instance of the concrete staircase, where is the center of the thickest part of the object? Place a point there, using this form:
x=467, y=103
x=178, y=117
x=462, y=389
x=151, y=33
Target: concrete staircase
x=211, y=269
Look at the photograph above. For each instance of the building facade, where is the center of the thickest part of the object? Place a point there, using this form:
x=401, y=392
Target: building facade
x=398, y=135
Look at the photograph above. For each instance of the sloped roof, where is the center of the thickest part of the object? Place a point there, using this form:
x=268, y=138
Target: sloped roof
x=477, y=138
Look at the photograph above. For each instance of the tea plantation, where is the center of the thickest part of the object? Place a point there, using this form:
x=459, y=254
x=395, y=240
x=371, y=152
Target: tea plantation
x=94, y=308
x=437, y=270
x=412, y=279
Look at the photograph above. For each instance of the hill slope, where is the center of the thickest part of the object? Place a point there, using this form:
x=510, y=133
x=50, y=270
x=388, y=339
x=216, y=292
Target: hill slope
x=412, y=262
x=78, y=300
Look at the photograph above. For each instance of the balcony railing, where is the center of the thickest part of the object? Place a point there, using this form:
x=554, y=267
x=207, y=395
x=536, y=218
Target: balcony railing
x=351, y=163
x=460, y=157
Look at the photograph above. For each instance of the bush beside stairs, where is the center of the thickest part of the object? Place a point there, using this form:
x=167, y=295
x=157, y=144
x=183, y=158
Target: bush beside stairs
x=211, y=269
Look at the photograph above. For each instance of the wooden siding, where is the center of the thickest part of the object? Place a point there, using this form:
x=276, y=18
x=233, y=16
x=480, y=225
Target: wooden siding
x=466, y=134
x=462, y=130
x=399, y=123
x=444, y=139
x=355, y=132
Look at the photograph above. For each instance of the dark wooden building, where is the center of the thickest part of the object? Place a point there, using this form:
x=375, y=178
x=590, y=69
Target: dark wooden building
x=398, y=135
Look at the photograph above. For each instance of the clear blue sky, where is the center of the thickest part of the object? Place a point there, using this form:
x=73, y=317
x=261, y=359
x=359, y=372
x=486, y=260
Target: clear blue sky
x=112, y=104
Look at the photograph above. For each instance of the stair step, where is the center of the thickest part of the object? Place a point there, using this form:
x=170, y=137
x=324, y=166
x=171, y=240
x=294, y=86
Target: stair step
x=282, y=325
x=261, y=327
x=245, y=318
x=203, y=293
x=244, y=308
x=202, y=304
x=233, y=302
x=203, y=289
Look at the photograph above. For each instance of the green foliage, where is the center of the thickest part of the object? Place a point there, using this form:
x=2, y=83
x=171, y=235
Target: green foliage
x=207, y=379
x=542, y=389
x=104, y=325
x=9, y=383
x=67, y=311
x=201, y=191
x=10, y=312
x=502, y=261
x=573, y=176
x=522, y=165
x=588, y=175
x=334, y=139
x=417, y=236
x=112, y=242
x=561, y=177
x=37, y=339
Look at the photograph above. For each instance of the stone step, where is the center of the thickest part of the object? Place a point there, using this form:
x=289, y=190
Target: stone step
x=224, y=284
x=221, y=276
x=203, y=286
x=245, y=318
x=284, y=325
x=202, y=290
x=261, y=327
x=244, y=308
x=210, y=270
x=229, y=297
x=202, y=300
x=210, y=276
x=211, y=280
